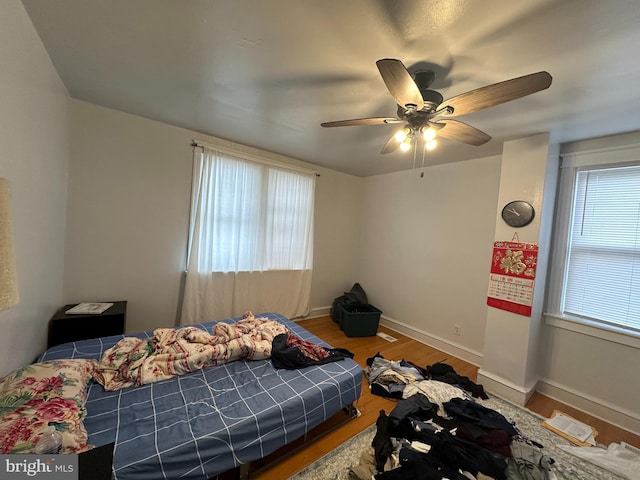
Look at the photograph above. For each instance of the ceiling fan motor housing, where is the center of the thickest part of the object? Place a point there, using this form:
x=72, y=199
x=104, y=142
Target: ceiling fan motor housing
x=423, y=80
x=416, y=120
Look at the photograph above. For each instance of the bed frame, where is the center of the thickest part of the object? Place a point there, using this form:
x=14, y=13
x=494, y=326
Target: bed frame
x=223, y=420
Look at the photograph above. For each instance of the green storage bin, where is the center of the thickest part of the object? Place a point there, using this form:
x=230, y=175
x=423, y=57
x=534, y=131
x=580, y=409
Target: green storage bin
x=359, y=320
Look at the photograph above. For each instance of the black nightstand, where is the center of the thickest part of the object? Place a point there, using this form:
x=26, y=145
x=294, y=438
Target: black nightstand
x=65, y=328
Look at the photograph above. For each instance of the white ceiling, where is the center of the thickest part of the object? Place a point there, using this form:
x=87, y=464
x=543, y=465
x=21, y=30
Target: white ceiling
x=266, y=73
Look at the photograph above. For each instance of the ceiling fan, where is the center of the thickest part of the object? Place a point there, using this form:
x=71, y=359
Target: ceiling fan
x=425, y=114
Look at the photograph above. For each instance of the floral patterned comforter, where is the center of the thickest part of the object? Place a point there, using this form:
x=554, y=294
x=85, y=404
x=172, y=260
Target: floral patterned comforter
x=170, y=352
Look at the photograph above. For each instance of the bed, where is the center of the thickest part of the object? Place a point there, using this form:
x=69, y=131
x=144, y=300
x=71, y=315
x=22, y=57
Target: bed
x=200, y=424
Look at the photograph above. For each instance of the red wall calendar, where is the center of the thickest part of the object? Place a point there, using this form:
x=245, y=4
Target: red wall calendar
x=513, y=273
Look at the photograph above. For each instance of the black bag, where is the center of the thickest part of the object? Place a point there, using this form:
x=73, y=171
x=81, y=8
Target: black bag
x=356, y=295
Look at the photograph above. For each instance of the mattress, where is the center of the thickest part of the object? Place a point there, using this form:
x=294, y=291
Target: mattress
x=203, y=423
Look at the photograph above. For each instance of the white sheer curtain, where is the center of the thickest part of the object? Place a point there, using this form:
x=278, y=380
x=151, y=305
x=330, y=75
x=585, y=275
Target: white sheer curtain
x=250, y=239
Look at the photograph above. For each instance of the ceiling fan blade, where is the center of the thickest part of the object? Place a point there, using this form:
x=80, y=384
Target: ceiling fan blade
x=391, y=145
x=496, y=94
x=400, y=84
x=461, y=132
x=362, y=121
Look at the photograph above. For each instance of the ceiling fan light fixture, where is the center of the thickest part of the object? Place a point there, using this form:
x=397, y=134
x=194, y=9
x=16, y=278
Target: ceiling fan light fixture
x=428, y=133
x=402, y=135
x=431, y=144
x=406, y=144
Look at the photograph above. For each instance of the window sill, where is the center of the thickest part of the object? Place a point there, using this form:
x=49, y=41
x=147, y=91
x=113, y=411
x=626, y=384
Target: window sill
x=593, y=329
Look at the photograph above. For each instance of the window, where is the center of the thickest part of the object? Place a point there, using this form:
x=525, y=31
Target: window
x=249, y=216
x=603, y=268
x=597, y=246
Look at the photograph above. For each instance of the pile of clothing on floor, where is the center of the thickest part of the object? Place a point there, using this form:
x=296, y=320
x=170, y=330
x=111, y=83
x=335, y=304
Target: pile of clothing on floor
x=437, y=430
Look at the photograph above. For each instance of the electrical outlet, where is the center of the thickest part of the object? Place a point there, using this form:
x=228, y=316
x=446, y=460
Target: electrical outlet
x=457, y=330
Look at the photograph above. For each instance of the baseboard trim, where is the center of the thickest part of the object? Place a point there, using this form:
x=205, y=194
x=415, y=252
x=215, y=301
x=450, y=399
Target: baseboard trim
x=502, y=387
x=319, y=312
x=434, y=341
x=596, y=407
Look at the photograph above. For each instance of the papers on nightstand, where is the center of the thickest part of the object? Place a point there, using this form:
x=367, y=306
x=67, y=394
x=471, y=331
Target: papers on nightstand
x=573, y=430
x=88, y=308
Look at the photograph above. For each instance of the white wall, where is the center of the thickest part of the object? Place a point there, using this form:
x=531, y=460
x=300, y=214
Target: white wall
x=425, y=251
x=129, y=187
x=588, y=367
x=336, y=237
x=129, y=194
x=33, y=156
x=593, y=374
x=423, y=259
x=510, y=364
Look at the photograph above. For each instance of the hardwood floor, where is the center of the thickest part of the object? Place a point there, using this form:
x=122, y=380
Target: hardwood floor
x=370, y=405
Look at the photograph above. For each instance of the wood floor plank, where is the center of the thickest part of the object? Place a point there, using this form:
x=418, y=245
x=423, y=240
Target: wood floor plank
x=370, y=405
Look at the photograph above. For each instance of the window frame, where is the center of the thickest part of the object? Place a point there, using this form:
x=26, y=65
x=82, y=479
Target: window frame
x=571, y=161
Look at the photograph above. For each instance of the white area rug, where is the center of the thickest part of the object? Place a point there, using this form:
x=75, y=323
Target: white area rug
x=335, y=465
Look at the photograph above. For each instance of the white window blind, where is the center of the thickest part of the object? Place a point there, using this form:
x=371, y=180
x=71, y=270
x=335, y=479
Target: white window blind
x=602, y=276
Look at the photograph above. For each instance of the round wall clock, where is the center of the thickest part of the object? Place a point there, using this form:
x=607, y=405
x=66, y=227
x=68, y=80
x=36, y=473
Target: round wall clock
x=518, y=213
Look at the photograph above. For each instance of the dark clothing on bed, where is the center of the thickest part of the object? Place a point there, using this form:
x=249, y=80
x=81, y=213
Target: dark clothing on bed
x=291, y=352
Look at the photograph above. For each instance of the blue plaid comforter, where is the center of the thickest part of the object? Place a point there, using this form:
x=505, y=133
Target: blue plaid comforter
x=203, y=423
